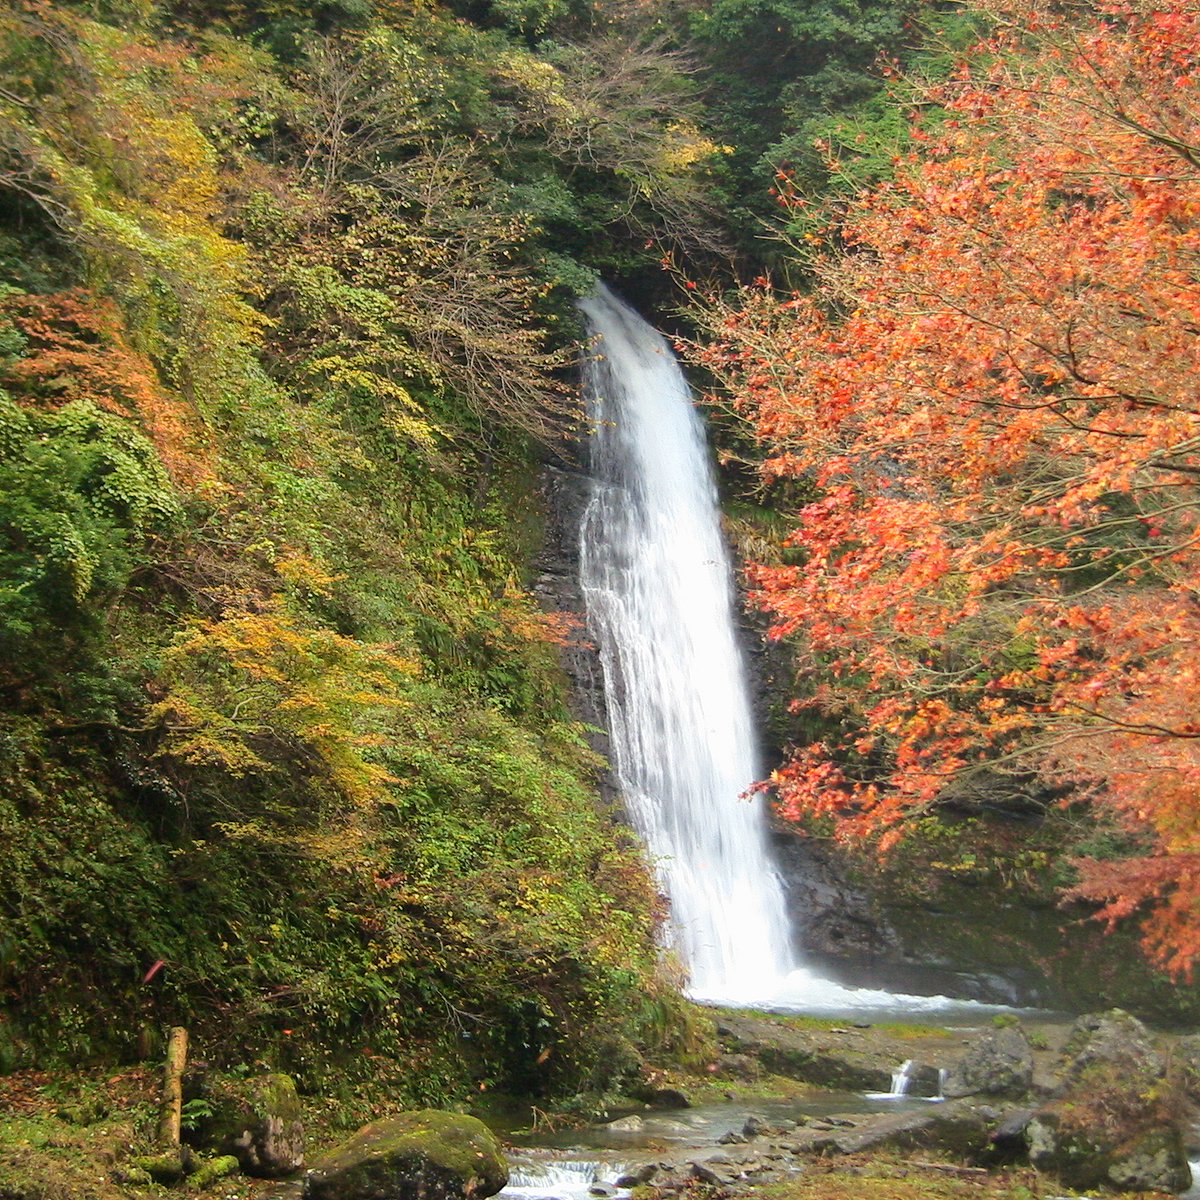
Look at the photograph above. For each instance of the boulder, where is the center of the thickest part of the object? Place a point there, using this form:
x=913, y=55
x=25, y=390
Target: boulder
x=958, y=1127
x=426, y=1155
x=660, y=1097
x=1114, y=1040
x=631, y=1124
x=1187, y=1061
x=1151, y=1159
x=819, y=1057
x=258, y=1121
x=999, y=1064
x=1118, y=1120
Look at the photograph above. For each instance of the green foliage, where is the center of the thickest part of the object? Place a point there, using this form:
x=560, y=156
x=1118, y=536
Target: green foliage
x=81, y=494
x=290, y=723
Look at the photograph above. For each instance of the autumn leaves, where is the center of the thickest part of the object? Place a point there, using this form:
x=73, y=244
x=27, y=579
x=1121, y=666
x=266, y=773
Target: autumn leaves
x=992, y=389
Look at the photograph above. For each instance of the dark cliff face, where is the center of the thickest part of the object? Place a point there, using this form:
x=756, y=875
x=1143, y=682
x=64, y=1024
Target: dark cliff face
x=565, y=489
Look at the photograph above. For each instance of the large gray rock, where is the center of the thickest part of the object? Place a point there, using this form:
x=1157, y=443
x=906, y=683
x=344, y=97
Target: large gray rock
x=426, y=1155
x=999, y=1064
x=1118, y=1121
x=1085, y=1156
x=1112, y=1040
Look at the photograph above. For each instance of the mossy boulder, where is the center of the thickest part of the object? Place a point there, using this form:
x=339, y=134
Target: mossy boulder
x=257, y=1120
x=1118, y=1120
x=426, y=1155
x=1086, y=1157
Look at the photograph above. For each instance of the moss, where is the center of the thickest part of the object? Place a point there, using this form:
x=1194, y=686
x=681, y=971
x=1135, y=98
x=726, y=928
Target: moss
x=897, y=1178
x=426, y=1154
x=899, y=1029
x=213, y=1170
x=275, y=1096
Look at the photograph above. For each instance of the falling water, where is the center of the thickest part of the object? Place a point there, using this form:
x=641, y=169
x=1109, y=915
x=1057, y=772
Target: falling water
x=656, y=584
x=656, y=581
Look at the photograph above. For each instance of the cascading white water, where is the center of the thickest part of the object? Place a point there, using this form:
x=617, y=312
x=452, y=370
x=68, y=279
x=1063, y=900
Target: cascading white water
x=902, y=1078
x=656, y=583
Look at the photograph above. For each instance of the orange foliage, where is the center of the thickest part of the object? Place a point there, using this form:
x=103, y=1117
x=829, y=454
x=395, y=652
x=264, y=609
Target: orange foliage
x=76, y=349
x=993, y=393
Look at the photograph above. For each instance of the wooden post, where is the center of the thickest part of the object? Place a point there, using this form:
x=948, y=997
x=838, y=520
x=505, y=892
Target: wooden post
x=171, y=1112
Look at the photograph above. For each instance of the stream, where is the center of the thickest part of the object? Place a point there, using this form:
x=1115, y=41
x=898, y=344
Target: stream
x=576, y=1163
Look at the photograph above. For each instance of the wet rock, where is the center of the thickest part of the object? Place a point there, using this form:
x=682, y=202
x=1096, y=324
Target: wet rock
x=602, y=1190
x=1119, y=1118
x=661, y=1097
x=630, y=1124
x=1007, y=1141
x=1000, y=1063
x=732, y=1138
x=427, y=1155
x=659, y=1126
x=755, y=1126
x=714, y=1172
x=638, y=1176
x=565, y=490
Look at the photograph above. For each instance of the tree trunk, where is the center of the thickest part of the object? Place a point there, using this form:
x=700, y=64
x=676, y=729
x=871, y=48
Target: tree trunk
x=170, y=1113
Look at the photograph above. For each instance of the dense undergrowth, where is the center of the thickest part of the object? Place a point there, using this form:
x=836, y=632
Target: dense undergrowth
x=284, y=748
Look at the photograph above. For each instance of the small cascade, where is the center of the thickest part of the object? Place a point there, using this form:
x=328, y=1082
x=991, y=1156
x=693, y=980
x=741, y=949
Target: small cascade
x=914, y=1080
x=561, y=1179
x=902, y=1078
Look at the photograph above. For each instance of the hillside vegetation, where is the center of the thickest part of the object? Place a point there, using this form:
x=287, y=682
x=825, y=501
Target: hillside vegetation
x=284, y=747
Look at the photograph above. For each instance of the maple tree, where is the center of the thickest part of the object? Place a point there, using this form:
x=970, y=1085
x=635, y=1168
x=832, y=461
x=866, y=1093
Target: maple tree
x=990, y=395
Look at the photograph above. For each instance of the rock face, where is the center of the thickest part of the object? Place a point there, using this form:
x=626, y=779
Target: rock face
x=1118, y=1121
x=999, y=1064
x=565, y=490
x=426, y=1155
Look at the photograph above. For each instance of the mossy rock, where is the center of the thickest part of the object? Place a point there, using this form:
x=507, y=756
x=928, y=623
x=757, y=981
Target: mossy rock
x=1118, y=1121
x=426, y=1155
x=259, y=1121
x=1152, y=1159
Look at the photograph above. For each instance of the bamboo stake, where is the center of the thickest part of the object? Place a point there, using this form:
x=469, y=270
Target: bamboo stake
x=170, y=1114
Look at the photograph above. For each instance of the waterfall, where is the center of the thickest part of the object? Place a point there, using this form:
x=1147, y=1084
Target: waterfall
x=656, y=582
x=902, y=1078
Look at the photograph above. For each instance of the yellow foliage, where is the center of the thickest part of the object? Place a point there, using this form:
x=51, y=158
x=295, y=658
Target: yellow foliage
x=252, y=692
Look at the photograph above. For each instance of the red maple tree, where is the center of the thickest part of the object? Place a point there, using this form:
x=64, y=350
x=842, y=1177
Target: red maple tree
x=993, y=394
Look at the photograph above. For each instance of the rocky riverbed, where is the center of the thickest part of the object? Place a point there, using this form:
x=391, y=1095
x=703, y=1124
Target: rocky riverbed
x=1004, y=1109
x=1098, y=1103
